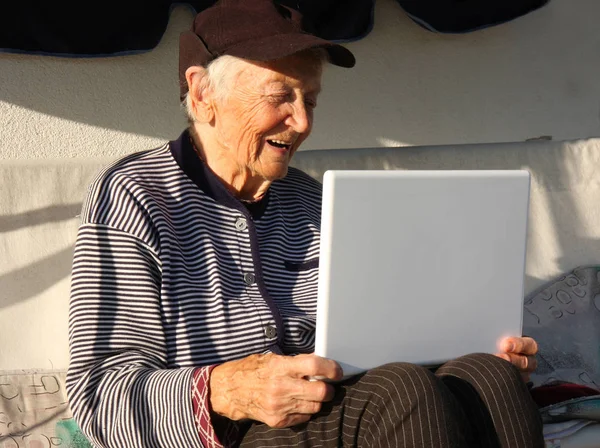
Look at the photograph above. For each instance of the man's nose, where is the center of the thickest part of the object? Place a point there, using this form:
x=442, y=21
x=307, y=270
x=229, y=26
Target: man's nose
x=299, y=119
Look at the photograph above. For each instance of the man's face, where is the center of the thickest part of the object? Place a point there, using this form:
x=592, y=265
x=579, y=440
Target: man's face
x=268, y=113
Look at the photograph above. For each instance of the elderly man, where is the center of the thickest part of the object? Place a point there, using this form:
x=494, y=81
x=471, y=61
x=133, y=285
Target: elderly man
x=194, y=288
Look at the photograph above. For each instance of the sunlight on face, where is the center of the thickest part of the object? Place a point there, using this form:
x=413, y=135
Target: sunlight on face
x=269, y=113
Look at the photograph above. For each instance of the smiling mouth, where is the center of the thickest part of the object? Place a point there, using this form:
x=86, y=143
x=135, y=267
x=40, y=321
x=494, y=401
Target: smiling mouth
x=279, y=144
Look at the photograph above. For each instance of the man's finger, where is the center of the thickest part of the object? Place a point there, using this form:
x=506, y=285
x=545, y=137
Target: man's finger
x=521, y=362
x=295, y=419
x=306, y=407
x=524, y=345
x=302, y=389
x=303, y=366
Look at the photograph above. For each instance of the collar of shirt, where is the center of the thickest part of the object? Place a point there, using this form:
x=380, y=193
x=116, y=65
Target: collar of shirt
x=189, y=162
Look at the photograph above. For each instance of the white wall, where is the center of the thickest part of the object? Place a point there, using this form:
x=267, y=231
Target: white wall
x=536, y=76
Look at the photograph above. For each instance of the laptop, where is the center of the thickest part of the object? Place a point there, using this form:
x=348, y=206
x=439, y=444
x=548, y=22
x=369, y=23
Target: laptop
x=419, y=266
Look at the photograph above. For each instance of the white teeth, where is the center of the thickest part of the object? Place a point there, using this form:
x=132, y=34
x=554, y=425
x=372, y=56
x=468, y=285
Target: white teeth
x=280, y=142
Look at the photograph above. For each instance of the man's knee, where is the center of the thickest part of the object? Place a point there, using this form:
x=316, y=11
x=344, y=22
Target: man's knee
x=481, y=366
x=404, y=380
x=416, y=398
x=403, y=371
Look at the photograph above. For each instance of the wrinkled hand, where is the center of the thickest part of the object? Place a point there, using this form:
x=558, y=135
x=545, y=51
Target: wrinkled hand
x=272, y=389
x=521, y=353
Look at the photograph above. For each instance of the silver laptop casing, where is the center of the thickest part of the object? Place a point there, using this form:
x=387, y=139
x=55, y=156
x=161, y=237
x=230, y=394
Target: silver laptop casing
x=419, y=266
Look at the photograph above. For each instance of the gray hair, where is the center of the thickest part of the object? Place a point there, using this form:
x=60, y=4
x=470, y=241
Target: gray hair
x=221, y=72
x=219, y=76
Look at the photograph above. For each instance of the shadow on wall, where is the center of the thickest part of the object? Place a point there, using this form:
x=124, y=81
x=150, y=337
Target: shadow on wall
x=53, y=213
x=138, y=94
x=26, y=282
x=507, y=83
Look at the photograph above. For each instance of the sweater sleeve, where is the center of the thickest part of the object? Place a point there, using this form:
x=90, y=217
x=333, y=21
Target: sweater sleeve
x=121, y=392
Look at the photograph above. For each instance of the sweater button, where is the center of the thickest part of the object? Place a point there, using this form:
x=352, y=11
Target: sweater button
x=270, y=332
x=241, y=224
x=249, y=278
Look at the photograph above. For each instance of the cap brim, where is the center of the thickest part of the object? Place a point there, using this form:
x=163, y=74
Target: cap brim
x=282, y=45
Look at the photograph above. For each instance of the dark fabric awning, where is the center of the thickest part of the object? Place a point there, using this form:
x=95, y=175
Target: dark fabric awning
x=461, y=16
x=107, y=28
x=131, y=26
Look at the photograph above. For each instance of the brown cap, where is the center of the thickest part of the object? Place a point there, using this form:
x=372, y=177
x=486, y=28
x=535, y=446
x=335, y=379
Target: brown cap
x=258, y=30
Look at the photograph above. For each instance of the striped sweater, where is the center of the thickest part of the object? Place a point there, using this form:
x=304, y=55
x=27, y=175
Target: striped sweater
x=173, y=275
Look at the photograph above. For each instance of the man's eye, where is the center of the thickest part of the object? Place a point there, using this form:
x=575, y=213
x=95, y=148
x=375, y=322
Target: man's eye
x=310, y=103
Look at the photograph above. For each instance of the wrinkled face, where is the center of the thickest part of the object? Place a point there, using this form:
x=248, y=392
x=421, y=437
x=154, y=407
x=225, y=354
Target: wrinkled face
x=268, y=113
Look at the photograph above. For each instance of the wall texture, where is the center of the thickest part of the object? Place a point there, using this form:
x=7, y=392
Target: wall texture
x=536, y=76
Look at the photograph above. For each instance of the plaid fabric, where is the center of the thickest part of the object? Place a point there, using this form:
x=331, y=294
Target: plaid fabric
x=215, y=432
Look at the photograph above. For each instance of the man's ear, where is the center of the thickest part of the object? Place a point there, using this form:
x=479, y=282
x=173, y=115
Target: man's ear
x=200, y=95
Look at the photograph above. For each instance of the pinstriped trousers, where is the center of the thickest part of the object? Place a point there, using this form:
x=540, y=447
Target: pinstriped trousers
x=477, y=400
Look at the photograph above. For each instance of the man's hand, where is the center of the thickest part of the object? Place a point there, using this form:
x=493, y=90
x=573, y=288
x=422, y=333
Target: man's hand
x=521, y=353
x=272, y=389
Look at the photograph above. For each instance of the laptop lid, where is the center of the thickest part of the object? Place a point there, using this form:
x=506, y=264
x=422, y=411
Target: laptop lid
x=419, y=266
